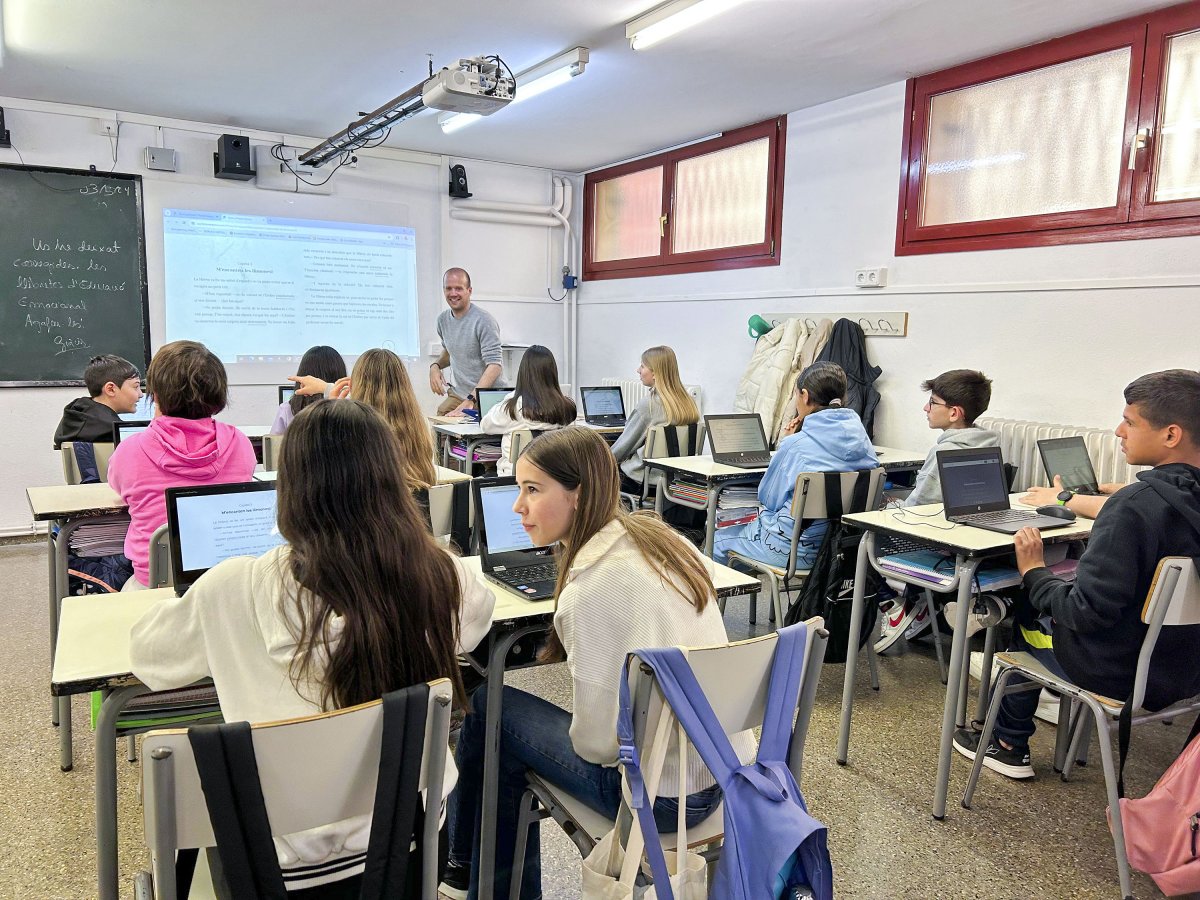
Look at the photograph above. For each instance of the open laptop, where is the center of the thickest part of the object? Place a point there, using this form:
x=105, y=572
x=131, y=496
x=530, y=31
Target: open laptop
x=738, y=440
x=286, y=392
x=210, y=524
x=603, y=406
x=975, y=493
x=488, y=397
x=1068, y=458
x=506, y=552
x=122, y=430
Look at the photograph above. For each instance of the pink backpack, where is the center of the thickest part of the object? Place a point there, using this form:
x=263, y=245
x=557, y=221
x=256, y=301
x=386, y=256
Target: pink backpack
x=1162, y=829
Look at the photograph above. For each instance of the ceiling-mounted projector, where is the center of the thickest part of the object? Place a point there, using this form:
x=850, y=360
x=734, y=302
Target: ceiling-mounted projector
x=478, y=85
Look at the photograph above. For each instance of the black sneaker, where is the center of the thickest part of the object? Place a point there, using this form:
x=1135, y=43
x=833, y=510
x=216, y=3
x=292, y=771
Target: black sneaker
x=456, y=881
x=1010, y=763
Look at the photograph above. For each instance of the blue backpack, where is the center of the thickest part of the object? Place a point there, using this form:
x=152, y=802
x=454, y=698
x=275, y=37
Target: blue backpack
x=772, y=845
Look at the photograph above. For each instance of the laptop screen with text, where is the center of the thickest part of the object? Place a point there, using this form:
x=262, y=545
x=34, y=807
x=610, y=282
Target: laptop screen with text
x=972, y=481
x=602, y=401
x=735, y=434
x=502, y=526
x=210, y=526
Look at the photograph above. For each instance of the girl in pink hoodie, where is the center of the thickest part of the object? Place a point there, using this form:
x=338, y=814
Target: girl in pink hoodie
x=183, y=447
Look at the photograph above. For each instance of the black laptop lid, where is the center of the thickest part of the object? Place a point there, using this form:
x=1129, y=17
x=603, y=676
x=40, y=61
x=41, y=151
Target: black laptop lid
x=214, y=523
x=502, y=540
x=122, y=430
x=972, y=481
x=489, y=397
x=286, y=391
x=1068, y=458
x=602, y=404
x=735, y=433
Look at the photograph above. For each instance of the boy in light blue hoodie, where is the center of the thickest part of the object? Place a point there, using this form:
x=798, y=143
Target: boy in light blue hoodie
x=832, y=439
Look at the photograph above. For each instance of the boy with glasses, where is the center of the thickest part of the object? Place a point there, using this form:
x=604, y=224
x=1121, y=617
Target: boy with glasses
x=956, y=399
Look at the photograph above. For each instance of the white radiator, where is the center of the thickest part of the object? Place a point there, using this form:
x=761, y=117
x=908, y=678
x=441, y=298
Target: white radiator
x=634, y=392
x=1018, y=446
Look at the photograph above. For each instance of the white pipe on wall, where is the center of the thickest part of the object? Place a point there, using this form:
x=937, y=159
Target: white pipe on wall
x=472, y=215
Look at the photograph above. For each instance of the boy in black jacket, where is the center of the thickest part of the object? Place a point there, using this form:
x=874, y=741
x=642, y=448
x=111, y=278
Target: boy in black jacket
x=1091, y=630
x=114, y=386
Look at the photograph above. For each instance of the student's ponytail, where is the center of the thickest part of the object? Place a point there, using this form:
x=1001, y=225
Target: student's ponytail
x=826, y=384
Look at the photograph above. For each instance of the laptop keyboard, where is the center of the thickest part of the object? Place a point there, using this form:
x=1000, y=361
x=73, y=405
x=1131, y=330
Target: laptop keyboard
x=754, y=459
x=529, y=574
x=999, y=517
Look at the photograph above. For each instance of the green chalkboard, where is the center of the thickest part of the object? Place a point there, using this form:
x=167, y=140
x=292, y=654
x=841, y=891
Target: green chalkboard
x=72, y=273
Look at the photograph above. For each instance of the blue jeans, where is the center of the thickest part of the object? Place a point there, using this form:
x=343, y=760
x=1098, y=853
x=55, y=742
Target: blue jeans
x=534, y=736
x=1015, y=723
x=759, y=542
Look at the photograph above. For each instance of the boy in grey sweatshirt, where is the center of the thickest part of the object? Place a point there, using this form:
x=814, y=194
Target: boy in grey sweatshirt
x=956, y=399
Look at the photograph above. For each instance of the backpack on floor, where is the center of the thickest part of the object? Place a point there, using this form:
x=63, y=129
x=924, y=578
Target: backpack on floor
x=828, y=591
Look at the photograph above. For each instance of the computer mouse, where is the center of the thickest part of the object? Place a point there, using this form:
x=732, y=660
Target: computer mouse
x=1055, y=511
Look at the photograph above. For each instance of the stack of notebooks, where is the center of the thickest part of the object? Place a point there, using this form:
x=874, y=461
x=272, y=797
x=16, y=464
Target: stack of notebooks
x=164, y=708
x=737, y=506
x=484, y=453
x=688, y=492
x=105, y=539
x=938, y=568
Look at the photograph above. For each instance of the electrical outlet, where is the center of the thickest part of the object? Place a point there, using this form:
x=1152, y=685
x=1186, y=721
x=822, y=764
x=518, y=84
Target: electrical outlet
x=107, y=127
x=870, y=278
x=435, y=348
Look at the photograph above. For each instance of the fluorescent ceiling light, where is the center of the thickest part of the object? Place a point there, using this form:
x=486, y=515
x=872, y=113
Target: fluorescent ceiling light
x=671, y=18
x=530, y=83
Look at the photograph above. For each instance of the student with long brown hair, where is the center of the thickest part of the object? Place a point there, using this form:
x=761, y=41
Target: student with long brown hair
x=668, y=404
x=626, y=581
x=359, y=602
x=380, y=380
x=537, y=403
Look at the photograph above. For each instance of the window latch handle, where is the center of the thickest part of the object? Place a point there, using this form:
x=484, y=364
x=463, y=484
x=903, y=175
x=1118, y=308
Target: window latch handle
x=662, y=226
x=1140, y=140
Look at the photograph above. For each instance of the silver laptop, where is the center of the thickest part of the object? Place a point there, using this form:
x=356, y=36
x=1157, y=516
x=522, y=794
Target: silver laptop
x=213, y=523
x=975, y=493
x=738, y=440
x=603, y=406
x=489, y=397
x=122, y=430
x=506, y=552
x=1068, y=458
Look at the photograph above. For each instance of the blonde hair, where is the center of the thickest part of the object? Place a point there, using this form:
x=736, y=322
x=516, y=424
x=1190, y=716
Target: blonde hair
x=380, y=380
x=579, y=458
x=677, y=403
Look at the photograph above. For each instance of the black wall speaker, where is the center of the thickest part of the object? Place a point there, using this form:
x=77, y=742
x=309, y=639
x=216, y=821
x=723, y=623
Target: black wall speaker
x=458, y=182
x=232, y=159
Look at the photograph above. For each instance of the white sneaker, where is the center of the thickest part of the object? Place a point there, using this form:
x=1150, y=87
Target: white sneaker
x=920, y=620
x=986, y=611
x=896, y=620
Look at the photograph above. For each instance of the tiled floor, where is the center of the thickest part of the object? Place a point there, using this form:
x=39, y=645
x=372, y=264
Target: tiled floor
x=1038, y=839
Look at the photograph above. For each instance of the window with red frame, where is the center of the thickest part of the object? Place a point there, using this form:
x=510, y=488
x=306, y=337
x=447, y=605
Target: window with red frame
x=717, y=204
x=1090, y=137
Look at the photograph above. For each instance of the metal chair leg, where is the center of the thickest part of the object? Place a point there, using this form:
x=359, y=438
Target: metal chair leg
x=1114, y=803
x=525, y=821
x=131, y=748
x=872, y=656
x=1079, y=729
x=985, y=737
x=985, y=676
x=1062, y=735
x=937, y=634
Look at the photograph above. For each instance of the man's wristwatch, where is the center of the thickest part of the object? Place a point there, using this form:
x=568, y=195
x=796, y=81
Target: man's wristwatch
x=1065, y=497
x=471, y=396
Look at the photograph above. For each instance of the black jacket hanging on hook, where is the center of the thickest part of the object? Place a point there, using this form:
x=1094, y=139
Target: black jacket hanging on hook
x=848, y=348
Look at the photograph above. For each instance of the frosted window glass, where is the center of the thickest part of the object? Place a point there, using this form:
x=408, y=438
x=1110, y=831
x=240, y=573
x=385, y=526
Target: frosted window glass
x=627, y=209
x=1179, y=142
x=721, y=198
x=1040, y=142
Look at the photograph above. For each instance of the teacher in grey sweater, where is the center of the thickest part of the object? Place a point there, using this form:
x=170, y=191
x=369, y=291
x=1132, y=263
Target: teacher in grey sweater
x=471, y=346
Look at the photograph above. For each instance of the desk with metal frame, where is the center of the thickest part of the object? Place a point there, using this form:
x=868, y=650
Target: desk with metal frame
x=69, y=506
x=970, y=547
x=93, y=654
x=717, y=477
x=473, y=437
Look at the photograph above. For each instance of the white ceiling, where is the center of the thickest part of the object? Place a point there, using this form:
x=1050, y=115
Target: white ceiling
x=307, y=68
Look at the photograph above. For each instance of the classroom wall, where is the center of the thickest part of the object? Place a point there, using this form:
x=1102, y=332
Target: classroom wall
x=1060, y=330
x=511, y=264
